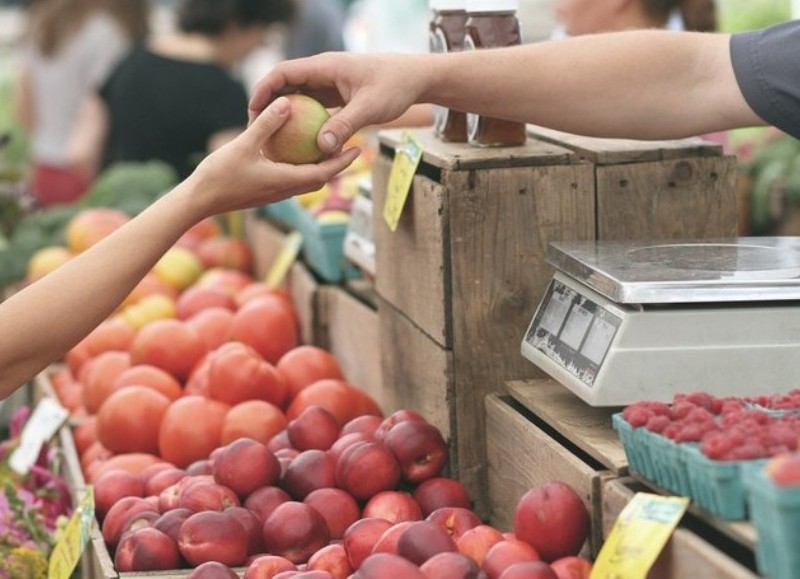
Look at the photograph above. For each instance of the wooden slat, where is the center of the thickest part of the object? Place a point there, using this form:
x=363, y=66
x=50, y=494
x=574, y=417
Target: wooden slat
x=585, y=426
x=304, y=289
x=521, y=455
x=622, y=151
x=684, y=198
x=461, y=156
x=413, y=259
x=266, y=241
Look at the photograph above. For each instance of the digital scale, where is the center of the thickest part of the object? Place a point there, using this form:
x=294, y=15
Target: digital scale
x=624, y=321
x=359, y=242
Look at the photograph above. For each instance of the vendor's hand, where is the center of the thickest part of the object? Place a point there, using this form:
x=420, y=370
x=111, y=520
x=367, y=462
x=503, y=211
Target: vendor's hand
x=238, y=176
x=371, y=89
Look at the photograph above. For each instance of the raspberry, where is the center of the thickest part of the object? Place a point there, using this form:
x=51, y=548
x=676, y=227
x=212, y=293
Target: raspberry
x=702, y=399
x=691, y=432
x=716, y=445
x=671, y=431
x=681, y=409
x=658, y=408
x=657, y=423
x=637, y=416
x=749, y=451
x=699, y=414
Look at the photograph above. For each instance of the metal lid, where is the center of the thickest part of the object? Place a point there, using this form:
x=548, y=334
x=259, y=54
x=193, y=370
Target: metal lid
x=676, y=272
x=492, y=5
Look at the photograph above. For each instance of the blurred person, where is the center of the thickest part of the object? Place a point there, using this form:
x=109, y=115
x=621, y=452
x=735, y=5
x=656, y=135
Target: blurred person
x=178, y=97
x=68, y=49
x=83, y=292
x=318, y=27
x=699, y=15
x=579, y=17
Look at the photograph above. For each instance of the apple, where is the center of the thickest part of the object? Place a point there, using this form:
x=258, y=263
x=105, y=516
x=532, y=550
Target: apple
x=314, y=428
x=439, y=492
x=506, y=553
x=477, y=541
x=118, y=516
x=45, y=260
x=89, y=226
x=268, y=566
x=295, y=531
x=455, y=520
x=338, y=507
x=264, y=500
x=296, y=141
x=529, y=570
x=308, y=471
x=146, y=549
x=245, y=465
x=367, y=468
x=333, y=559
x=385, y=565
x=394, y=506
x=212, y=570
x=113, y=485
x=451, y=566
x=213, y=536
x=422, y=540
x=419, y=448
x=361, y=537
x=572, y=568
x=553, y=519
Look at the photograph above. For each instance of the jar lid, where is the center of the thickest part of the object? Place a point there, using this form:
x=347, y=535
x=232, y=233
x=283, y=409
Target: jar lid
x=444, y=5
x=492, y=5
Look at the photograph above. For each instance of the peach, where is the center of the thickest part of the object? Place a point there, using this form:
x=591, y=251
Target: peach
x=438, y=492
x=268, y=566
x=345, y=441
x=296, y=141
x=333, y=559
x=422, y=540
x=338, y=508
x=307, y=472
x=225, y=252
x=455, y=520
x=387, y=543
x=419, y=448
x=383, y=565
x=252, y=524
x=506, y=553
x=118, y=516
x=361, y=537
x=264, y=500
x=784, y=469
x=529, y=570
x=113, y=485
x=163, y=479
x=572, y=568
x=314, y=428
x=395, y=418
x=214, y=326
x=212, y=570
x=366, y=424
x=195, y=299
x=477, y=541
x=170, y=522
x=213, y=536
x=451, y=566
x=207, y=496
x=367, y=468
x=394, y=506
x=146, y=549
x=296, y=531
x=244, y=466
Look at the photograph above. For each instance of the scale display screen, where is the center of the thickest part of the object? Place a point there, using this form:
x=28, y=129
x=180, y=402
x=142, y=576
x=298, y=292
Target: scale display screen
x=573, y=331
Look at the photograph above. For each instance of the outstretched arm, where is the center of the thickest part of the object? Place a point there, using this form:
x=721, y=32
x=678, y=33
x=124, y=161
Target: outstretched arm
x=641, y=84
x=41, y=322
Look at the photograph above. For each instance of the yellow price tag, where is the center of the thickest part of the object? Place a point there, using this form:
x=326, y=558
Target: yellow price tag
x=235, y=224
x=404, y=165
x=72, y=539
x=285, y=259
x=639, y=534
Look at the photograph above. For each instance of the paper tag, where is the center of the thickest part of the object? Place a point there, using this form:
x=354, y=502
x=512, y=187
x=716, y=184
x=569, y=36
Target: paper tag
x=285, y=259
x=47, y=418
x=639, y=534
x=72, y=539
x=401, y=177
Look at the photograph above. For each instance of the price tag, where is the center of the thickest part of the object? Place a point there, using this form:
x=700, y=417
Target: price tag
x=72, y=539
x=286, y=257
x=47, y=418
x=235, y=224
x=639, y=534
x=404, y=166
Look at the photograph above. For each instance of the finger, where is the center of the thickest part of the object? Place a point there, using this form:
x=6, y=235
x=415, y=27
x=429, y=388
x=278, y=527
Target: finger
x=269, y=120
x=344, y=124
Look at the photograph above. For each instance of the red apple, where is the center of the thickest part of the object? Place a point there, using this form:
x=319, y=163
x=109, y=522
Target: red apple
x=212, y=570
x=146, y=549
x=506, y=553
x=213, y=536
x=296, y=141
x=360, y=538
x=268, y=566
x=455, y=520
x=419, y=448
x=113, y=485
x=529, y=570
x=338, y=507
x=264, y=500
x=422, y=540
x=553, y=519
x=451, y=566
x=245, y=465
x=439, y=492
x=394, y=506
x=314, y=428
x=333, y=559
x=477, y=541
x=385, y=565
x=367, y=468
x=308, y=471
x=572, y=568
x=296, y=531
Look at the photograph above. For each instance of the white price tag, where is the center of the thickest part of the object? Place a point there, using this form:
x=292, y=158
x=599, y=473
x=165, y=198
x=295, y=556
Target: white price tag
x=47, y=418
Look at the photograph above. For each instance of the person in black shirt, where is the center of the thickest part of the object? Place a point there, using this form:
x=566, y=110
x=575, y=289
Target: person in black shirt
x=176, y=98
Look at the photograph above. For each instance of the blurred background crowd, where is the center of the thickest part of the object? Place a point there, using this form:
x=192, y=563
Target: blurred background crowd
x=85, y=84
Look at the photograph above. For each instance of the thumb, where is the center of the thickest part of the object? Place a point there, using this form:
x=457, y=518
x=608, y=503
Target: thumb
x=270, y=120
x=341, y=126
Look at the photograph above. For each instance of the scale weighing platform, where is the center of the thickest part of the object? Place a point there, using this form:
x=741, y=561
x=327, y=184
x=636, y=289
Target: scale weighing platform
x=624, y=321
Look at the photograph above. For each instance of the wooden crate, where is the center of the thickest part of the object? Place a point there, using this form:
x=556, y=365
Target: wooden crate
x=465, y=269
x=570, y=442
x=689, y=553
